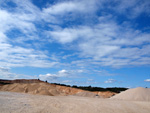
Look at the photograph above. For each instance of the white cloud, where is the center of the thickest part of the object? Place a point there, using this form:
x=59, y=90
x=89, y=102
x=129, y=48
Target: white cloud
x=14, y=56
x=130, y=8
x=48, y=76
x=102, y=72
x=67, y=81
x=23, y=18
x=147, y=80
x=101, y=33
x=108, y=43
x=110, y=81
x=90, y=80
x=62, y=8
x=96, y=51
x=59, y=12
x=71, y=6
x=63, y=73
x=60, y=74
x=105, y=43
x=53, y=77
x=68, y=56
x=6, y=74
x=3, y=37
x=64, y=36
x=15, y=22
x=14, y=50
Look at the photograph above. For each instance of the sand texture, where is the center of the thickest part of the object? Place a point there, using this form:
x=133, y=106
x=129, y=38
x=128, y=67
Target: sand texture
x=136, y=94
x=11, y=102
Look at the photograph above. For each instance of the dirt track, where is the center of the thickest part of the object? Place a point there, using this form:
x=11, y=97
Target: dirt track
x=11, y=102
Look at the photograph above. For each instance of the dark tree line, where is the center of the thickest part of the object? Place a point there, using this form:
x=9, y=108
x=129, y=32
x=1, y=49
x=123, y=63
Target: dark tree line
x=90, y=88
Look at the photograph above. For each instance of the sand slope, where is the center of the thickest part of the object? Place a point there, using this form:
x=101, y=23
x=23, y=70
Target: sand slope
x=42, y=88
x=11, y=102
x=136, y=94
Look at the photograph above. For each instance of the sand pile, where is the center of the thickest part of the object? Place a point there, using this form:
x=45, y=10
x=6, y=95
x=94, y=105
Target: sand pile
x=43, y=88
x=32, y=88
x=35, y=86
x=86, y=94
x=40, y=88
x=136, y=94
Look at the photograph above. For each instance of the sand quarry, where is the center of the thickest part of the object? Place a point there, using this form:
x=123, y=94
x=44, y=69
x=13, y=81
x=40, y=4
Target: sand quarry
x=47, y=98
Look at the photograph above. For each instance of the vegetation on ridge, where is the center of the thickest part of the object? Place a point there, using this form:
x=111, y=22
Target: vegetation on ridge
x=90, y=88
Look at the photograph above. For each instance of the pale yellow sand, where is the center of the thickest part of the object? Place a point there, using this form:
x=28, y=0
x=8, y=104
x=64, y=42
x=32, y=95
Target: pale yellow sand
x=11, y=102
x=136, y=94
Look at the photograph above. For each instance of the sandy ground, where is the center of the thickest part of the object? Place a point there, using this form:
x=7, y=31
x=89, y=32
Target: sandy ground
x=11, y=102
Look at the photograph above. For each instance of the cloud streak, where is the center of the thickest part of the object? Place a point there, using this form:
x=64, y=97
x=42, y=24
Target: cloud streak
x=59, y=75
x=6, y=74
x=107, y=43
x=110, y=81
x=73, y=34
x=147, y=80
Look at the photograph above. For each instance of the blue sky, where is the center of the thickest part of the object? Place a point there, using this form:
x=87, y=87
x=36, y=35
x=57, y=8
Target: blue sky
x=78, y=42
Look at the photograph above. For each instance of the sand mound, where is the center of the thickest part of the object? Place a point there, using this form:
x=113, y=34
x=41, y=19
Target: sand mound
x=86, y=94
x=32, y=88
x=136, y=94
x=40, y=88
x=35, y=86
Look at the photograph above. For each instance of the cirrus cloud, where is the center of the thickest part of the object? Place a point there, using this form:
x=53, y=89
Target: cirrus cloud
x=147, y=80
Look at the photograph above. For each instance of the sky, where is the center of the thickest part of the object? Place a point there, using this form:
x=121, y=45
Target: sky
x=104, y=43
